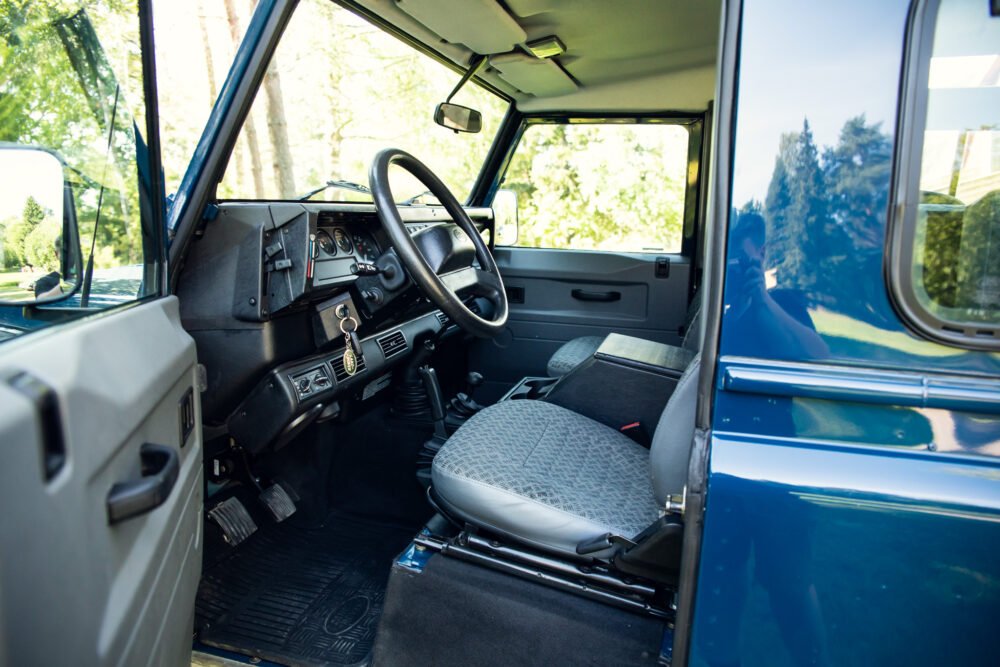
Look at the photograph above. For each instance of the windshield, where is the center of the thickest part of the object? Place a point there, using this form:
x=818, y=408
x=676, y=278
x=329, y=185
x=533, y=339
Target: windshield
x=339, y=90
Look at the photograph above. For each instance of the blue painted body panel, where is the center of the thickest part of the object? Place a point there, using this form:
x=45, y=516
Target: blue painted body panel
x=853, y=504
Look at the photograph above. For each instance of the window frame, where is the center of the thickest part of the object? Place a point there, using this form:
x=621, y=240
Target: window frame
x=902, y=219
x=694, y=123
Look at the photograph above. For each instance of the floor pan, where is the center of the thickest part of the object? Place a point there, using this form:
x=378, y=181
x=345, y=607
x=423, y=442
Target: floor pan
x=303, y=595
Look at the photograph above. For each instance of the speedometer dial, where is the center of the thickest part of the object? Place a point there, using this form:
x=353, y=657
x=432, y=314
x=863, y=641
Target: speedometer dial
x=365, y=246
x=325, y=243
x=343, y=240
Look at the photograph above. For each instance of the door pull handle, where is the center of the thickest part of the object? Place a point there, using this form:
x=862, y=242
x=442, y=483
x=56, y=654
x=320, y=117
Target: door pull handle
x=160, y=468
x=586, y=295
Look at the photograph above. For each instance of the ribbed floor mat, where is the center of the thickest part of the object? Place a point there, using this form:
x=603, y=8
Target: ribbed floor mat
x=301, y=595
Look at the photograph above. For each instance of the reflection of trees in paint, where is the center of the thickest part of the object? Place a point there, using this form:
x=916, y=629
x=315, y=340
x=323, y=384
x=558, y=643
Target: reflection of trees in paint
x=826, y=211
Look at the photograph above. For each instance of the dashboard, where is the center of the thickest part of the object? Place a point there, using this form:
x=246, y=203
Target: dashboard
x=263, y=291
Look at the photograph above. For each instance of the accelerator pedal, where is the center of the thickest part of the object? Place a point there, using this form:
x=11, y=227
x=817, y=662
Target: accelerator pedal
x=278, y=502
x=234, y=520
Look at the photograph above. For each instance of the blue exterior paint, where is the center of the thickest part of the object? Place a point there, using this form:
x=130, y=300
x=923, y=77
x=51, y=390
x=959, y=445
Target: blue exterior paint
x=853, y=505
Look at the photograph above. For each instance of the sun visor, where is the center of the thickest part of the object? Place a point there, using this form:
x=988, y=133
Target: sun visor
x=542, y=78
x=482, y=25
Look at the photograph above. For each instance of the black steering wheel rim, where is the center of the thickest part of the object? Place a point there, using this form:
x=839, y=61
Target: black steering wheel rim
x=439, y=289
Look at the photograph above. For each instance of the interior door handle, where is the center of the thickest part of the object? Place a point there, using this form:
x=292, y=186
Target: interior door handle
x=586, y=295
x=160, y=467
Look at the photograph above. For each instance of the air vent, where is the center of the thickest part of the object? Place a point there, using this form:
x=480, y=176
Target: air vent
x=442, y=318
x=338, y=367
x=392, y=344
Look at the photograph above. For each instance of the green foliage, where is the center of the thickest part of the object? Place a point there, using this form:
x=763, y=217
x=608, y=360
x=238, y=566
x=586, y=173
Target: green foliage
x=600, y=186
x=30, y=240
x=978, y=290
x=942, y=235
x=57, y=90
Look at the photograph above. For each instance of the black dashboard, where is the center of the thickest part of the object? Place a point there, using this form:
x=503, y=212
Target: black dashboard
x=263, y=291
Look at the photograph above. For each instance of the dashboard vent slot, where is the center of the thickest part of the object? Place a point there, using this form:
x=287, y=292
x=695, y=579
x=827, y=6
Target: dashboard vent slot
x=338, y=367
x=442, y=318
x=392, y=344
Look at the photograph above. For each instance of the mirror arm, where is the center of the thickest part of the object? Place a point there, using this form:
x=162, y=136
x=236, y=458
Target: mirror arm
x=477, y=64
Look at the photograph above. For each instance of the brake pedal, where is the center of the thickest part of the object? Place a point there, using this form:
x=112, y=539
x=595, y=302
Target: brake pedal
x=278, y=502
x=234, y=520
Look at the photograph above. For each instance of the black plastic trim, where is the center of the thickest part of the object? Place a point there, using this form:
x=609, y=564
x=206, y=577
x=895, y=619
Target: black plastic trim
x=718, y=187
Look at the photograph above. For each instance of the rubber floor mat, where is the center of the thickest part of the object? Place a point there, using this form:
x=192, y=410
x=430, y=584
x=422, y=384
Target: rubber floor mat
x=302, y=595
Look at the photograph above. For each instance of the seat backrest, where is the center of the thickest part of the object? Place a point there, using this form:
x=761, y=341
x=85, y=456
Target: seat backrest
x=671, y=448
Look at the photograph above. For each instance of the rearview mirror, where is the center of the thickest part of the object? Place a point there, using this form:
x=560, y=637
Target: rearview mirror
x=40, y=256
x=458, y=118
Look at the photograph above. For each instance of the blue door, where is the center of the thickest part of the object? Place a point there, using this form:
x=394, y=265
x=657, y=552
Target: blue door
x=853, y=503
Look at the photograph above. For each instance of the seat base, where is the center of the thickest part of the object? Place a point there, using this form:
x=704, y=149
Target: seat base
x=545, y=476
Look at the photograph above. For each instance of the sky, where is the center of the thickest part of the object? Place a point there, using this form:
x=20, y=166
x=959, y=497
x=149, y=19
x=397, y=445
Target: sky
x=29, y=173
x=812, y=60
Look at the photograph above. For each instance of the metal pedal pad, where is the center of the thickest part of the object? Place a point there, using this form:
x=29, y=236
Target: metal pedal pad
x=278, y=502
x=234, y=520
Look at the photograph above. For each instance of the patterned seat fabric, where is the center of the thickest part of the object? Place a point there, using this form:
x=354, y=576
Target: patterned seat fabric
x=572, y=354
x=545, y=475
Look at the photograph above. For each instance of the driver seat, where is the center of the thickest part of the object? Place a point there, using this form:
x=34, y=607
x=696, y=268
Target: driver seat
x=553, y=479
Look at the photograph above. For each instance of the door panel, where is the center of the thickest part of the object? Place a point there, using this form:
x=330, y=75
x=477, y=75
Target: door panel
x=551, y=314
x=73, y=588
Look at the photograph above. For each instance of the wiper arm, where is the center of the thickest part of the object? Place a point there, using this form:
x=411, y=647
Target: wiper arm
x=339, y=183
x=415, y=198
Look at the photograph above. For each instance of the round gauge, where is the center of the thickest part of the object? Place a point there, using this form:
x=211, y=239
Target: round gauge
x=325, y=243
x=343, y=240
x=365, y=246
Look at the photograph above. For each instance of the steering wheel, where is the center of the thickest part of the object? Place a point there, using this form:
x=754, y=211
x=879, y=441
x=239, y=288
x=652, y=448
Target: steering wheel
x=448, y=286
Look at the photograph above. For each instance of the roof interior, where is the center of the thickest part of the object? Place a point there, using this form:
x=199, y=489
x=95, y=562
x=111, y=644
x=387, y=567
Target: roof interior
x=625, y=55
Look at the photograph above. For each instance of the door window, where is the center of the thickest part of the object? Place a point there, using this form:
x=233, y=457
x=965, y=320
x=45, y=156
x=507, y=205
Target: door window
x=601, y=186
x=70, y=87
x=947, y=265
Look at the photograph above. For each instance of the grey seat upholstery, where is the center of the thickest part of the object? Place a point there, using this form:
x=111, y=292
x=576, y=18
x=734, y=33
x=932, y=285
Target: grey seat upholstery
x=572, y=354
x=551, y=478
x=577, y=350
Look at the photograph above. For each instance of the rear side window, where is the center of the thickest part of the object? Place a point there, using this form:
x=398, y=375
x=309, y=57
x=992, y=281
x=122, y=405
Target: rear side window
x=617, y=187
x=946, y=244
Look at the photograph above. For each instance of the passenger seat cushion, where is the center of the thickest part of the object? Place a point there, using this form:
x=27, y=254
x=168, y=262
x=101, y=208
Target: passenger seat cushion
x=572, y=354
x=546, y=475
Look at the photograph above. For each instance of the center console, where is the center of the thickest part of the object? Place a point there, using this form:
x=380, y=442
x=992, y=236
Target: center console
x=626, y=383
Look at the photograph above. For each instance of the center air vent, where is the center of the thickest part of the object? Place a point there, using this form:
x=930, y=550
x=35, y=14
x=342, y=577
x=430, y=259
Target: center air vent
x=392, y=344
x=338, y=367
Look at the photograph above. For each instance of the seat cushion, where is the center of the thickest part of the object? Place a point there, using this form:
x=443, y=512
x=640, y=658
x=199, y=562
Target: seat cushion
x=573, y=353
x=545, y=475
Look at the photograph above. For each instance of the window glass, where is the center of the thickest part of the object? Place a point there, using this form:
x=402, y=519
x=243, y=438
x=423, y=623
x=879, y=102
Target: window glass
x=956, y=257
x=196, y=42
x=70, y=76
x=600, y=186
x=339, y=90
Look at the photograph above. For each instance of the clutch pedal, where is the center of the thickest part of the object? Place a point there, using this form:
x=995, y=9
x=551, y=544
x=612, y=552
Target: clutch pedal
x=234, y=520
x=278, y=502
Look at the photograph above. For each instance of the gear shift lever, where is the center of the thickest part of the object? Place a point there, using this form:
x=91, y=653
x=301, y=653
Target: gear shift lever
x=463, y=405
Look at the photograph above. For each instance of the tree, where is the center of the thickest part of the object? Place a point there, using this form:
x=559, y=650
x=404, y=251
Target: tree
x=249, y=125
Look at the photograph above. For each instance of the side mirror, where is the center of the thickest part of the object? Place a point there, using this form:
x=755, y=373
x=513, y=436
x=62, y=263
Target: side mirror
x=505, y=217
x=458, y=118
x=40, y=255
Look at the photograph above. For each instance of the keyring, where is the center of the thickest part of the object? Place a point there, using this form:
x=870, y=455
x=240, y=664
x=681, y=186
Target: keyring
x=349, y=318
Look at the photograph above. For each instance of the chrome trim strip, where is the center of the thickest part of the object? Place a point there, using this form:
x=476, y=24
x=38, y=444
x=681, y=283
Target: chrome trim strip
x=862, y=385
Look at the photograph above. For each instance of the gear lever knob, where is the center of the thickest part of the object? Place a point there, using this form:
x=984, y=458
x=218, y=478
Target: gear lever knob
x=473, y=380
